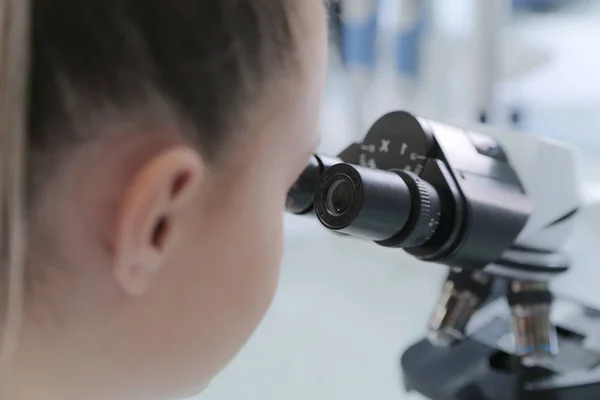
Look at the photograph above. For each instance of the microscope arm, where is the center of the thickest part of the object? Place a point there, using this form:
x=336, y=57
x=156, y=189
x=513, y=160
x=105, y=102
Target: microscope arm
x=551, y=173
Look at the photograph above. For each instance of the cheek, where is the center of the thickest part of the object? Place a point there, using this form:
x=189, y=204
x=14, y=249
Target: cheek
x=264, y=235
x=225, y=281
x=253, y=237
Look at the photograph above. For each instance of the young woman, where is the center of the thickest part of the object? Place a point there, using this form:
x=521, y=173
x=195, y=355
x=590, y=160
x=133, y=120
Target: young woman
x=147, y=148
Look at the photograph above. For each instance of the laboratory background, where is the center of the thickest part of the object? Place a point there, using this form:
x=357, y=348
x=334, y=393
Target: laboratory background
x=347, y=310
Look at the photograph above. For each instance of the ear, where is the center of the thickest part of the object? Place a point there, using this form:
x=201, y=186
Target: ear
x=147, y=225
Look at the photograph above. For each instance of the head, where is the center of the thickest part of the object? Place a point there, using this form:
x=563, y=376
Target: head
x=162, y=139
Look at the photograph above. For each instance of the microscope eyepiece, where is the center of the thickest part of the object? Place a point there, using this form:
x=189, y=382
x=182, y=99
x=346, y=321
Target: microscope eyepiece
x=339, y=197
x=300, y=197
x=393, y=208
x=353, y=200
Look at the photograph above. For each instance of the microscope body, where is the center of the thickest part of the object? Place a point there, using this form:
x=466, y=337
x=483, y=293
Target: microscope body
x=497, y=208
x=551, y=175
x=550, y=172
x=527, y=188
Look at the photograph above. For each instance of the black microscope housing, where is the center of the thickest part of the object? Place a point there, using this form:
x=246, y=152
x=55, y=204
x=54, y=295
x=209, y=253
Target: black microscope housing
x=450, y=196
x=474, y=187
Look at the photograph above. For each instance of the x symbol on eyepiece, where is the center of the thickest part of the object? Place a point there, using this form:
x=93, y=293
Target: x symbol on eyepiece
x=385, y=146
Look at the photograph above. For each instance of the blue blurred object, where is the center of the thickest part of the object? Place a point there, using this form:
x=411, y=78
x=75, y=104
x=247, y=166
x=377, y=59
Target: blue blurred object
x=409, y=40
x=537, y=5
x=358, y=37
x=358, y=43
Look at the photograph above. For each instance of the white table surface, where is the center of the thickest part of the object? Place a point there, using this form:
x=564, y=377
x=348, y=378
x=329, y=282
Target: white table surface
x=344, y=311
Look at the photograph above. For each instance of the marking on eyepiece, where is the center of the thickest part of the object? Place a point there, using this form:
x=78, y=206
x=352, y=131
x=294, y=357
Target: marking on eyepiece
x=362, y=160
x=370, y=148
x=408, y=168
x=385, y=146
x=372, y=163
x=418, y=169
x=403, y=149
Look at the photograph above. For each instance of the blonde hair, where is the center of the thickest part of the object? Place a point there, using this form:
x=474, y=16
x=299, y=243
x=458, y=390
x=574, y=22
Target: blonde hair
x=15, y=19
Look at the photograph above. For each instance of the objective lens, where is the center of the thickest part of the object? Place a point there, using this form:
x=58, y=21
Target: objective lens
x=463, y=293
x=339, y=197
x=535, y=336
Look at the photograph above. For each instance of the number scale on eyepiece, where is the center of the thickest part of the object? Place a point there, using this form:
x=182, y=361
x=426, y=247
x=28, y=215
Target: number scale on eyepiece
x=397, y=141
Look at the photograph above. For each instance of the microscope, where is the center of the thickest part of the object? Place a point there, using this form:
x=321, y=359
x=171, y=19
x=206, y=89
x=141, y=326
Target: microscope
x=497, y=209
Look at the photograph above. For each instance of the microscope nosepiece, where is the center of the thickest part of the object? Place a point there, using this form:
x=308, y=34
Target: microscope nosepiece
x=535, y=336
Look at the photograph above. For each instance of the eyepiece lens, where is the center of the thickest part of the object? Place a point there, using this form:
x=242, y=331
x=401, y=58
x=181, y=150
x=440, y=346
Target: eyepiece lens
x=339, y=197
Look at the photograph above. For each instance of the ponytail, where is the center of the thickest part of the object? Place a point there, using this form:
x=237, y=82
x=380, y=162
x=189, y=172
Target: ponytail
x=15, y=19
